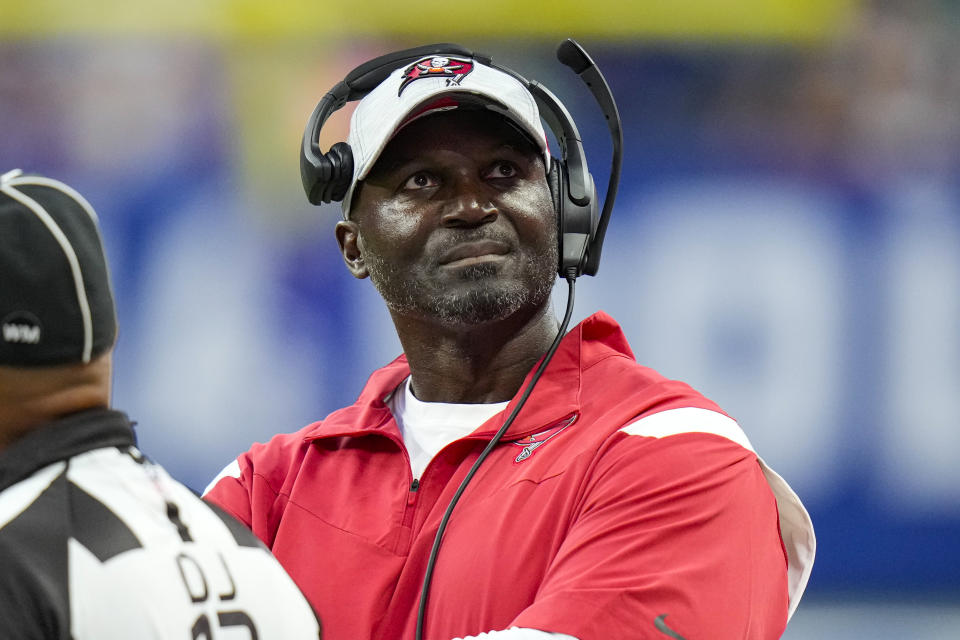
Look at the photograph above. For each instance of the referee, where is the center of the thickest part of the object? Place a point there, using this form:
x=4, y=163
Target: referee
x=96, y=541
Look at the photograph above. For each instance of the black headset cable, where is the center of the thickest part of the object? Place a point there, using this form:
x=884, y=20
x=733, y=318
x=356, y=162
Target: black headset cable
x=431, y=561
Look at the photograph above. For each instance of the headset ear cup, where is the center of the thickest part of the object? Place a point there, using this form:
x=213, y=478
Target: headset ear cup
x=555, y=183
x=554, y=178
x=340, y=157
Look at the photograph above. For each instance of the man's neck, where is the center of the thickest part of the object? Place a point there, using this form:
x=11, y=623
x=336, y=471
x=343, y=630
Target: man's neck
x=33, y=397
x=478, y=363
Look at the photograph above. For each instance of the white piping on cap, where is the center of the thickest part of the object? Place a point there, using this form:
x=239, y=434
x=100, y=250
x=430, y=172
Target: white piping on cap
x=54, y=184
x=10, y=175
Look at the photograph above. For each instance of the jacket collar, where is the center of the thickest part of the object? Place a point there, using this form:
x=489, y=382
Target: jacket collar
x=64, y=438
x=555, y=397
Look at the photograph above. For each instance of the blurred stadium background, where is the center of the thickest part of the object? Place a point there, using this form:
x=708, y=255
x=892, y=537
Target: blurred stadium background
x=787, y=236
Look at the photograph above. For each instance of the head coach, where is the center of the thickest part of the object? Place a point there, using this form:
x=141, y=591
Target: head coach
x=505, y=476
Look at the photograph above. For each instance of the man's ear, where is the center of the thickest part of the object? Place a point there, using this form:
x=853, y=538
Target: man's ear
x=348, y=237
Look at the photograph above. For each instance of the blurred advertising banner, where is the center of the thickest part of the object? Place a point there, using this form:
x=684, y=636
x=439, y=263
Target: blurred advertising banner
x=750, y=19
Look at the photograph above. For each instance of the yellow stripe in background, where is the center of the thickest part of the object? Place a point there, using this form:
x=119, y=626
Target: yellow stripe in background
x=653, y=19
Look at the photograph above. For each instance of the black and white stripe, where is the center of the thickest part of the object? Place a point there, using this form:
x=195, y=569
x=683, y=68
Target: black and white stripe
x=106, y=545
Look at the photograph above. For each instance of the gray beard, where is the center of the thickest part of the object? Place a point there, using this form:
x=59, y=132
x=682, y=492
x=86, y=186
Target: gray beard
x=488, y=300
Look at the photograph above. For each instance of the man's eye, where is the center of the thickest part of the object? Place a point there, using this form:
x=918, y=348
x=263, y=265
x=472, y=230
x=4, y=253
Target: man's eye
x=420, y=180
x=502, y=170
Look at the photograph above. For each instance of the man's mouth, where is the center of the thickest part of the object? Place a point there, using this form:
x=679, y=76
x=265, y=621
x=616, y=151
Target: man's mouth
x=476, y=252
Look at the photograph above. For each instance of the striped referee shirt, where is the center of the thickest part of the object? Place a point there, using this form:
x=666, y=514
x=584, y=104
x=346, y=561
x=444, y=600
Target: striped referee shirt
x=97, y=542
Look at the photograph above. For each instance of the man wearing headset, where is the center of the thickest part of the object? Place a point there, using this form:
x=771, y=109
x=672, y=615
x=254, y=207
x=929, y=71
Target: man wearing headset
x=614, y=504
x=96, y=541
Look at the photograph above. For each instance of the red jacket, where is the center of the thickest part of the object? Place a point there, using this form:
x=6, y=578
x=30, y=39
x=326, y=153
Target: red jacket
x=596, y=532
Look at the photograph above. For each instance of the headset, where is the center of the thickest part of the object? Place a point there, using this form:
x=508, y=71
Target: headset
x=580, y=230
x=580, y=225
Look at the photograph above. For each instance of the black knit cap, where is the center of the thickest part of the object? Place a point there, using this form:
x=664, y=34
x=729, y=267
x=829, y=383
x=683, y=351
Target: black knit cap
x=56, y=305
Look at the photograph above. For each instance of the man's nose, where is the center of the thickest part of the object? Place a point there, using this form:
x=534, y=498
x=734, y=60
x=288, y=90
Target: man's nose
x=467, y=209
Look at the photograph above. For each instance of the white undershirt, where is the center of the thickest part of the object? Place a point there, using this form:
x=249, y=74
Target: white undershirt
x=427, y=427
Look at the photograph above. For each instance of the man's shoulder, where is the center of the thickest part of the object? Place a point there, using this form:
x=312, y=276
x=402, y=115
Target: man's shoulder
x=606, y=356
x=282, y=447
x=623, y=381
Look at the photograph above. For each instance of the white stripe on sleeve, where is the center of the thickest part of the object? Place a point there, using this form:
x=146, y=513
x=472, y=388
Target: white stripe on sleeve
x=688, y=420
x=517, y=633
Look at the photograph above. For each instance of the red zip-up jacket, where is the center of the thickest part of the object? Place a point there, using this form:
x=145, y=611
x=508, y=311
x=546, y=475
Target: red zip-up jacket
x=620, y=504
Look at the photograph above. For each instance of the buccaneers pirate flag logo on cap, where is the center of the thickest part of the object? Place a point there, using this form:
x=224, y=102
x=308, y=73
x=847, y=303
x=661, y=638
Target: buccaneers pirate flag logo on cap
x=454, y=69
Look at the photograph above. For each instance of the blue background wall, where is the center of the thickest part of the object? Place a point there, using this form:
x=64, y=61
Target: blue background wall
x=786, y=239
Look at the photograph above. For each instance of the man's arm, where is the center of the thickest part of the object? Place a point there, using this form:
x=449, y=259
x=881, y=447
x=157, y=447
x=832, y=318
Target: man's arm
x=227, y=490
x=677, y=533
x=516, y=633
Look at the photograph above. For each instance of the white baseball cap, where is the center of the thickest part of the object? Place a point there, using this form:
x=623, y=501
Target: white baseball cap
x=435, y=83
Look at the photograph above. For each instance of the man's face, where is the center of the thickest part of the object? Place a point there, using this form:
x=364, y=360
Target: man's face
x=455, y=221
